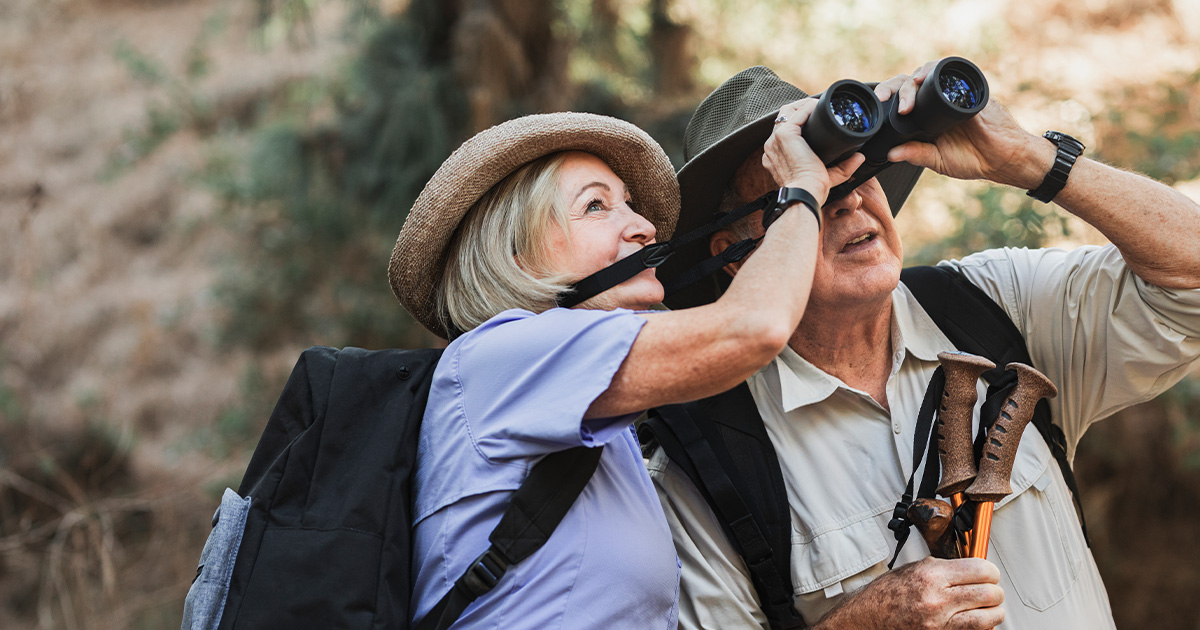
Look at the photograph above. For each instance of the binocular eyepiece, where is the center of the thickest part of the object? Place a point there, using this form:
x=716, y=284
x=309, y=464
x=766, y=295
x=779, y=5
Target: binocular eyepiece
x=849, y=118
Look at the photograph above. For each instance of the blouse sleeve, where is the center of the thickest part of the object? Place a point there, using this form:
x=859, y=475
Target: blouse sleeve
x=526, y=380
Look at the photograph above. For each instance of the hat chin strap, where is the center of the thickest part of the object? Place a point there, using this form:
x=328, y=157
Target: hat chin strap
x=654, y=255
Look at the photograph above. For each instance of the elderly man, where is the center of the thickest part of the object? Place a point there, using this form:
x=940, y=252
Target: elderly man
x=1111, y=326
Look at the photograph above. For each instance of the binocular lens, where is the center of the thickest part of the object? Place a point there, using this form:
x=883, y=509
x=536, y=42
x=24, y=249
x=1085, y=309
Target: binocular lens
x=850, y=113
x=957, y=89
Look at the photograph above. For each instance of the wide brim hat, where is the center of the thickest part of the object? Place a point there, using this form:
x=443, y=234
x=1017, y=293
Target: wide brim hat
x=730, y=124
x=419, y=258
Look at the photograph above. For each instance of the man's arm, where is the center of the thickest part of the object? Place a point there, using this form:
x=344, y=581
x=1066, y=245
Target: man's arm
x=1156, y=228
x=715, y=590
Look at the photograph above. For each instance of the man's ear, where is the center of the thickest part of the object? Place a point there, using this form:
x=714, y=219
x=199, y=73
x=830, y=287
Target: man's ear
x=721, y=240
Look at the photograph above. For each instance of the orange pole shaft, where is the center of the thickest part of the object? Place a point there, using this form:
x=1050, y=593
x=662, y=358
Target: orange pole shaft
x=983, y=529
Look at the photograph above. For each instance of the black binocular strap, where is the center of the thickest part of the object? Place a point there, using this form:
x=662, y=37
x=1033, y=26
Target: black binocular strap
x=733, y=253
x=533, y=513
x=862, y=174
x=654, y=255
x=924, y=441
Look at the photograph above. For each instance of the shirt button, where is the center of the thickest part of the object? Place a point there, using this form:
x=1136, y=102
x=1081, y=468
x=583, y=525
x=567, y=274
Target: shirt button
x=896, y=427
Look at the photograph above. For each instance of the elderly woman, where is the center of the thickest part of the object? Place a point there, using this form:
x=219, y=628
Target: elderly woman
x=508, y=222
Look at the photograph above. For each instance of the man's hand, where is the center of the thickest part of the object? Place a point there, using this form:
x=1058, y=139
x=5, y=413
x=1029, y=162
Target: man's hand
x=1156, y=228
x=929, y=594
x=990, y=145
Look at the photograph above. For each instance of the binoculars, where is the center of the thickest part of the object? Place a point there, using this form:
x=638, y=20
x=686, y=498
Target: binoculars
x=849, y=118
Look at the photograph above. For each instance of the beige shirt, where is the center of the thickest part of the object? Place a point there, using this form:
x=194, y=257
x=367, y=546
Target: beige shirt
x=1107, y=339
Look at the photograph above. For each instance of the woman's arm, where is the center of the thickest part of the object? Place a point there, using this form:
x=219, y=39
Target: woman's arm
x=698, y=352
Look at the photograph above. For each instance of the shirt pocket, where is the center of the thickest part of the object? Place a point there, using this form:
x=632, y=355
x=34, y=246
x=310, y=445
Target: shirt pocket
x=1037, y=541
x=206, y=597
x=836, y=553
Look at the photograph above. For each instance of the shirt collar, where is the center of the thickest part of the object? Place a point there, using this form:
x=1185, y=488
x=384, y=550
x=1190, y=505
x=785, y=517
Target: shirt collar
x=801, y=383
x=921, y=337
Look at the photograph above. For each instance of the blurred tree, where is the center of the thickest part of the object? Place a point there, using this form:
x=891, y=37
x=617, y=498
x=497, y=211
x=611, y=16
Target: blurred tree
x=993, y=217
x=321, y=203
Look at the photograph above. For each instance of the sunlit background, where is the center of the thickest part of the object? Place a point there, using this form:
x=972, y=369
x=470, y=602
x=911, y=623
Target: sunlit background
x=193, y=191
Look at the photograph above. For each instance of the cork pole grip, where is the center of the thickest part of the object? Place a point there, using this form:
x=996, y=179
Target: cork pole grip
x=1000, y=450
x=954, y=419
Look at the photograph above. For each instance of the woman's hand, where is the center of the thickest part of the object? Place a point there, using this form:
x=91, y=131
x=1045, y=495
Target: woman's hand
x=792, y=163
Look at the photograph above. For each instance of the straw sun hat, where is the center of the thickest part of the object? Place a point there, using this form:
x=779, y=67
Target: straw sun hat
x=419, y=257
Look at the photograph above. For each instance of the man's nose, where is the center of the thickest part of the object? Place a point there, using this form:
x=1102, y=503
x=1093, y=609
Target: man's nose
x=843, y=206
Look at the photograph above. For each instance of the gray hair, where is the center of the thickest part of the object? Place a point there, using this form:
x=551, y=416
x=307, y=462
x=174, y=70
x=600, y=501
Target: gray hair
x=497, y=259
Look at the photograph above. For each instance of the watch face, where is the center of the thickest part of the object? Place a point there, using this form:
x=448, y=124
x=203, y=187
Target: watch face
x=1060, y=138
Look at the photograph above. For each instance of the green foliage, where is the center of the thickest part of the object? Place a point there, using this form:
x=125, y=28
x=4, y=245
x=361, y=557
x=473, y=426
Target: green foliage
x=611, y=57
x=996, y=217
x=320, y=203
x=163, y=118
x=236, y=428
x=142, y=68
x=180, y=104
x=11, y=409
x=1167, y=158
x=1154, y=129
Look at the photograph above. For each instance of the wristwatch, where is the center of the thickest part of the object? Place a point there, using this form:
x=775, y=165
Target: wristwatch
x=1069, y=150
x=786, y=199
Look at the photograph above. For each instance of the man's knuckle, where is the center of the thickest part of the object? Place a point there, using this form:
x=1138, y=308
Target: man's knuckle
x=929, y=623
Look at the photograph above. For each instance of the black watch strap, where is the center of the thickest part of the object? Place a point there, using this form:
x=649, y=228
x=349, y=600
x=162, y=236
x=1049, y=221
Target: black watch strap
x=786, y=199
x=1069, y=150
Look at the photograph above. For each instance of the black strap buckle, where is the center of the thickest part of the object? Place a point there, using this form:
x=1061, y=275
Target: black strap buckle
x=964, y=521
x=656, y=254
x=900, y=518
x=484, y=573
x=739, y=250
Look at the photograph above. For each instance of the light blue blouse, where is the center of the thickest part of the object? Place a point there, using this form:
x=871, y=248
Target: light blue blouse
x=505, y=394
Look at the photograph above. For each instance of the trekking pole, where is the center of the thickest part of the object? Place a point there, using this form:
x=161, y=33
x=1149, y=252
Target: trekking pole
x=934, y=518
x=955, y=446
x=1000, y=450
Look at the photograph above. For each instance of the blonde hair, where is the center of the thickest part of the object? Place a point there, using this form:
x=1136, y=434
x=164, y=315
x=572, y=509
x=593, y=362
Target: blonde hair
x=497, y=259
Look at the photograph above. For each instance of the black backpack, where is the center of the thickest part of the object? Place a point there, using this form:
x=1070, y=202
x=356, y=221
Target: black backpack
x=720, y=443
x=319, y=534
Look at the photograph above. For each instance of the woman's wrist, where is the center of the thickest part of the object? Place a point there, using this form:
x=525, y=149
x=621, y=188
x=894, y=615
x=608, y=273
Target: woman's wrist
x=815, y=187
x=794, y=211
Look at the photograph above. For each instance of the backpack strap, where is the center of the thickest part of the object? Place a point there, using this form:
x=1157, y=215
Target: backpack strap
x=533, y=513
x=975, y=323
x=720, y=443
